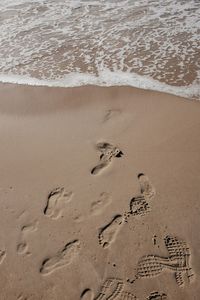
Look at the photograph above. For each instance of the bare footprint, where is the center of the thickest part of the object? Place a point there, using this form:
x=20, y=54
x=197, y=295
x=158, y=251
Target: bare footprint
x=31, y=227
x=147, y=189
x=22, y=297
x=108, y=233
x=56, y=202
x=61, y=258
x=99, y=205
x=87, y=294
x=2, y=256
x=110, y=113
x=108, y=152
x=79, y=218
x=22, y=246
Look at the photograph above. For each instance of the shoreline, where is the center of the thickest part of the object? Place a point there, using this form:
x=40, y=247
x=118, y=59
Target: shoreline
x=107, y=79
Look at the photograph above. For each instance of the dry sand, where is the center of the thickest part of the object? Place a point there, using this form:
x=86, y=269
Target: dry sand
x=99, y=191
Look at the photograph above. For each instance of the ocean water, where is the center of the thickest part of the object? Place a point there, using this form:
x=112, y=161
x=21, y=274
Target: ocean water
x=152, y=44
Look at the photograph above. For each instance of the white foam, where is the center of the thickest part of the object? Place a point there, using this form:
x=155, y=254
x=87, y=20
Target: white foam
x=68, y=42
x=108, y=78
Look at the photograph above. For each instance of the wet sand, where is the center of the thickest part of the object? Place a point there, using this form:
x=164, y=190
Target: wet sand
x=99, y=191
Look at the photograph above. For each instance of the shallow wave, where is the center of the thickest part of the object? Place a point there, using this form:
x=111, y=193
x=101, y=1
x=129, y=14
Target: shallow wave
x=151, y=44
x=108, y=78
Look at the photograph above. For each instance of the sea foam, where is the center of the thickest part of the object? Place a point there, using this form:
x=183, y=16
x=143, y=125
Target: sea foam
x=108, y=78
x=151, y=44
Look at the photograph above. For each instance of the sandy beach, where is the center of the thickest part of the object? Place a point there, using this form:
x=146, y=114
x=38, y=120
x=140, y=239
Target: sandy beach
x=99, y=191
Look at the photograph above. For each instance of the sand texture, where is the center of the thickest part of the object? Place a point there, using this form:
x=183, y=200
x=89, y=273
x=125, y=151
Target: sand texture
x=99, y=194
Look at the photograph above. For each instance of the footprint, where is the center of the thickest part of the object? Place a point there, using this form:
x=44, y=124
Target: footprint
x=110, y=289
x=151, y=266
x=87, y=294
x=30, y=227
x=22, y=246
x=110, y=113
x=138, y=207
x=147, y=189
x=99, y=205
x=61, y=258
x=108, y=233
x=108, y=152
x=2, y=256
x=177, y=262
x=78, y=218
x=22, y=297
x=127, y=296
x=179, y=254
x=56, y=202
x=157, y=296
